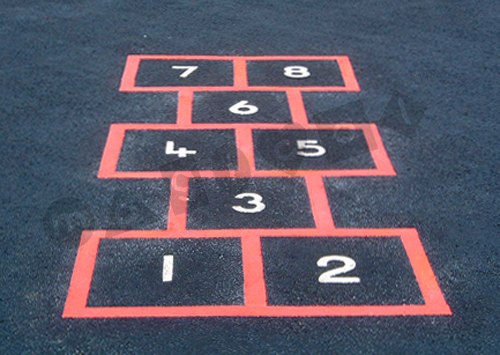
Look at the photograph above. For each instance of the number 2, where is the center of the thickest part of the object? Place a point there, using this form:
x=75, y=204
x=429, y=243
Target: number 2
x=255, y=200
x=188, y=69
x=330, y=276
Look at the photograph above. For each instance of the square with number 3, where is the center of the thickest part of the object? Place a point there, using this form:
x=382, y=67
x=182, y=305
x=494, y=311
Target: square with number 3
x=338, y=271
x=226, y=203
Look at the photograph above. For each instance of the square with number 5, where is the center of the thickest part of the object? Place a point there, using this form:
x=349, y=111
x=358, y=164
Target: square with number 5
x=226, y=203
x=338, y=271
x=306, y=149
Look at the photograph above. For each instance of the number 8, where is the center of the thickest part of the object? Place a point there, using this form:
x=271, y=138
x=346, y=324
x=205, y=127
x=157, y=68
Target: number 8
x=296, y=72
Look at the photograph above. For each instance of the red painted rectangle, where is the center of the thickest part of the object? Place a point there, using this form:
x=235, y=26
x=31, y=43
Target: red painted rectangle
x=255, y=298
x=240, y=80
x=112, y=150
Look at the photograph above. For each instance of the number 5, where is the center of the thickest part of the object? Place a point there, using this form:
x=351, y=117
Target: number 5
x=316, y=150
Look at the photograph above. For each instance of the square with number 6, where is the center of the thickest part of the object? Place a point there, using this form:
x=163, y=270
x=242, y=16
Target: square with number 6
x=338, y=271
x=248, y=203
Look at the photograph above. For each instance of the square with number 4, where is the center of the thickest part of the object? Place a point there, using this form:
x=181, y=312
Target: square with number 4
x=248, y=203
x=178, y=150
x=338, y=271
x=167, y=271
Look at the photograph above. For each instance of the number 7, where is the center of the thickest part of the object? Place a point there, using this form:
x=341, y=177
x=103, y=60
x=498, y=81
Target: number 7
x=188, y=69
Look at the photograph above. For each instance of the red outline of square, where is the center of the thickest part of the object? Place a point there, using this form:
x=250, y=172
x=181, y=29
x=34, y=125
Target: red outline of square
x=128, y=81
x=246, y=164
x=254, y=284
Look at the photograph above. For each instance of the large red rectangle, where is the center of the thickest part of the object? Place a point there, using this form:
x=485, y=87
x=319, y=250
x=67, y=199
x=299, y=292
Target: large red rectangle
x=112, y=150
x=254, y=289
x=240, y=80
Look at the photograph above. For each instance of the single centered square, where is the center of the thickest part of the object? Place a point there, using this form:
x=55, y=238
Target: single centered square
x=308, y=271
x=294, y=73
x=241, y=107
x=311, y=150
x=163, y=272
x=248, y=203
x=178, y=150
x=185, y=73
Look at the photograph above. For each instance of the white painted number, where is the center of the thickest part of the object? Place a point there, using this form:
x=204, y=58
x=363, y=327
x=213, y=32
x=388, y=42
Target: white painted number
x=243, y=108
x=168, y=268
x=182, y=152
x=296, y=72
x=330, y=276
x=188, y=69
x=315, y=150
x=255, y=200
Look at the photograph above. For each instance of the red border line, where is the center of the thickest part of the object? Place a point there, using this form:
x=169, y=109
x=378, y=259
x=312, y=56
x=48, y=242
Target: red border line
x=185, y=108
x=177, y=213
x=246, y=159
x=320, y=206
x=297, y=108
x=253, y=272
x=76, y=303
x=132, y=65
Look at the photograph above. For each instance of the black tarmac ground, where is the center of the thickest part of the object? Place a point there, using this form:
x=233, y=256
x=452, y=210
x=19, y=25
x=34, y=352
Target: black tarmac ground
x=429, y=74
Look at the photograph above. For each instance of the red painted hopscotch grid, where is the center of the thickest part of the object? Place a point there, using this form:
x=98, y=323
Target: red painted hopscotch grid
x=128, y=82
x=253, y=273
x=255, y=298
x=244, y=144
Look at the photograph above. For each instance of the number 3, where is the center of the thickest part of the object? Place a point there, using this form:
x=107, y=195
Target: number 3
x=255, y=200
x=330, y=276
x=296, y=72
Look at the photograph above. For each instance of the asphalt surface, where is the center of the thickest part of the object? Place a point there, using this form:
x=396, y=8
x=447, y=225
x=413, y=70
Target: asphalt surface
x=429, y=76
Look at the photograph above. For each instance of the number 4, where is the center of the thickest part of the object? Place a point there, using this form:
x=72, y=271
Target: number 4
x=182, y=152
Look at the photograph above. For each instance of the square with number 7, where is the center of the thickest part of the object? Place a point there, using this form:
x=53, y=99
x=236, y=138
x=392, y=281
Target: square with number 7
x=226, y=203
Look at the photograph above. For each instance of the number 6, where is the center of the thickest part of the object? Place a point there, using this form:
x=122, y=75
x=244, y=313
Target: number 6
x=243, y=108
